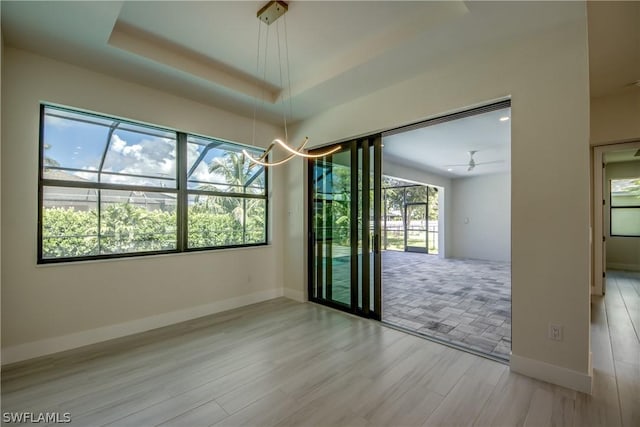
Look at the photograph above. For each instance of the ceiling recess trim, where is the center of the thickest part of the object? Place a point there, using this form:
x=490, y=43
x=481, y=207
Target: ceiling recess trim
x=141, y=43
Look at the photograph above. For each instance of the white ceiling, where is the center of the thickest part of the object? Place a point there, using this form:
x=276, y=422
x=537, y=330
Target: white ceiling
x=614, y=46
x=339, y=50
x=435, y=148
x=622, y=156
x=206, y=51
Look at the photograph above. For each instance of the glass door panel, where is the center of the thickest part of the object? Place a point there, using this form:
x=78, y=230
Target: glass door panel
x=331, y=227
x=416, y=227
x=344, y=224
x=433, y=213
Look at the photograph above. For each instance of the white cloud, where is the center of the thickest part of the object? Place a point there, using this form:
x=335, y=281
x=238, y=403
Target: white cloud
x=202, y=170
x=151, y=156
x=155, y=157
x=57, y=122
x=89, y=176
x=133, y=150
x=117, y=144
x=201, y=173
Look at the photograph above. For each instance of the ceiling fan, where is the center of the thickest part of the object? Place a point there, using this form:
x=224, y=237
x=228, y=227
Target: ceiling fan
x=472, y=163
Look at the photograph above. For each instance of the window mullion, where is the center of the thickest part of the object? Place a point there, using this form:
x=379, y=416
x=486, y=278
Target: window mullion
x=41, y=144
x=99, y=211
x=134, y=207
x=183, y=197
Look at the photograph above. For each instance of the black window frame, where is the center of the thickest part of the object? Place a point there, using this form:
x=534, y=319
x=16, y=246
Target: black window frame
x=612, y=208
x=181, y=191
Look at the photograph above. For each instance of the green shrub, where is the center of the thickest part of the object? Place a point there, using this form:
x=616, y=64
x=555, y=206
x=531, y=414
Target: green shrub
x=67, y=232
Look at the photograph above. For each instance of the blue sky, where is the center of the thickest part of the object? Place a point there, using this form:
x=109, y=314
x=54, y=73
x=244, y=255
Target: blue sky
x=78, y=145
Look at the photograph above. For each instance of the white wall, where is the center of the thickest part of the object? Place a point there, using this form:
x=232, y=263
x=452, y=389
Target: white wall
x=52, y=307
x=444, y=203
x=412, y=174
x=480, y=218
x=623, y=253
x=615, y=118
x=546, y=76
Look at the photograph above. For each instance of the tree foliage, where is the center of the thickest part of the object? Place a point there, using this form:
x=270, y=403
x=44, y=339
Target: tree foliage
x=396, y=195
x=212, y=220
x=129, y=228
x=68, y=232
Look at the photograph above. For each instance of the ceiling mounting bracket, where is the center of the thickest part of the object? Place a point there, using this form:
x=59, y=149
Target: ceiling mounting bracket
x=271, y=11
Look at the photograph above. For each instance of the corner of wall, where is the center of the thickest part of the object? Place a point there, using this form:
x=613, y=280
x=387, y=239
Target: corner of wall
x=552, y=373
x=614, y=118
x=294, y=238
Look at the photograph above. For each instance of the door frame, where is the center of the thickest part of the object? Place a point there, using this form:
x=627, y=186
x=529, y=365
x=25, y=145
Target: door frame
x=598, y=283
x=377, y=244
x=371, y=149
x=416, y=249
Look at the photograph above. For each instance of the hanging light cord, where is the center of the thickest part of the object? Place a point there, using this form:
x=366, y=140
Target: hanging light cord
x=284, y=108
x=284, y=144
x=255, y=101
x=286, y=50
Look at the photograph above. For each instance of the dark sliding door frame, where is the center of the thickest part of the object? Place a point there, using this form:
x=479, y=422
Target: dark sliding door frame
x=371, y=242
x=365, y=154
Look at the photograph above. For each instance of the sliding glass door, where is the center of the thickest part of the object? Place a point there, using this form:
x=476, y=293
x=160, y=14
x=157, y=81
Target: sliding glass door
x=415, y=234
x=344, y=228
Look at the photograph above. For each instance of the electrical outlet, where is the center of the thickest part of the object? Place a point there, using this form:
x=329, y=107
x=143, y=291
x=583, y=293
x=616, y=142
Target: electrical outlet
x=555, y=332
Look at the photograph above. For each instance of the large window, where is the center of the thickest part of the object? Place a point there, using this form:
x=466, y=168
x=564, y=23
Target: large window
x=410, y=216
x=625, y=207
x=110, y=187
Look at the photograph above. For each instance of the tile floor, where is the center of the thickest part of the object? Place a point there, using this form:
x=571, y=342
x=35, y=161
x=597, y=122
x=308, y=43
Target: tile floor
x=464, y=302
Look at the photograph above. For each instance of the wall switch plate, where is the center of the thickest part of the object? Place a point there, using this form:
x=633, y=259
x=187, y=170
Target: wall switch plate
x=555, y=332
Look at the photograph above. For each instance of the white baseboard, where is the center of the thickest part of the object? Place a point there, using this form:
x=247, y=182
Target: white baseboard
x=295, y=295
x=621, y=266
x=39, y=348
x=552, y=373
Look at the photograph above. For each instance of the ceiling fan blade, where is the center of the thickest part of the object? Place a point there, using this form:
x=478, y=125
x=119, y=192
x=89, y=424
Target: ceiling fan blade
x=471, y=167
x=486, y=163
x=462, y=164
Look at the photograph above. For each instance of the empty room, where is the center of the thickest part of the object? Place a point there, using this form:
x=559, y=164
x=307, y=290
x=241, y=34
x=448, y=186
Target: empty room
x=209, y=209
x=446, y=270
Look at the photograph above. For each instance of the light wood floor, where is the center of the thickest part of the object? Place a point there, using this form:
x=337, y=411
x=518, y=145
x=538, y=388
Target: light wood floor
x=285, y=363
x=615, y=342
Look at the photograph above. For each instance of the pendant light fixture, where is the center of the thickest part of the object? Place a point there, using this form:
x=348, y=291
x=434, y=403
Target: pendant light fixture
x=267, y=16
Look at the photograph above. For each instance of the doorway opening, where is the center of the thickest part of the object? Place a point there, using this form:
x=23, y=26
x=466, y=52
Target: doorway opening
x=410, y=219
x=448, y=181
x=412, y=227
x=616, y=219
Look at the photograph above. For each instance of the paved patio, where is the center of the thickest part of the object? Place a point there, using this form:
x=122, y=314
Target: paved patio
x=464, y=302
